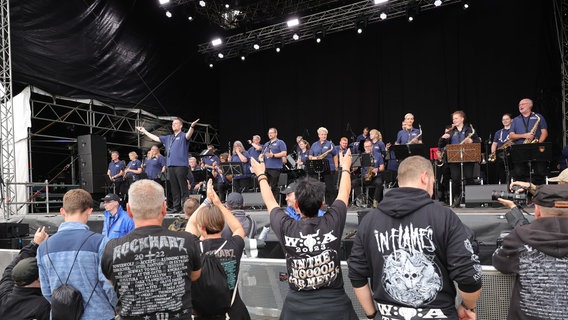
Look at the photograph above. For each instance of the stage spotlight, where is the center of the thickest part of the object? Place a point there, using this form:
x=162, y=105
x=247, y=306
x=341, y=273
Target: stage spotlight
x=256, y=46
x=202, y=3
x=380, y=1
x=226, y=6
x=319, y=36
x=220, y=55
x=293, y=22
x=383, y=15
x=295, y=36
x=210, y=64
x=438, y=3
x=465, y=4
x=168, y=14
x=360, y=25
x=412, y=10
x=216, y=42
x=243, y=54
x=278, y=45
x=162, y=2
x=190, y=18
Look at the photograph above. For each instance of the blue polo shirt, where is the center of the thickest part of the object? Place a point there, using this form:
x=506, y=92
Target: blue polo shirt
x=115, y=168
x=318, y=148
x=275, y=147
x=253, y=153
x=379, y=147
x=153, y=166
x=246, y=165
x=377, y=161
x=501, y=137
x=405, y=136
x=522, y=125
x=134, y=165
x=177, y=147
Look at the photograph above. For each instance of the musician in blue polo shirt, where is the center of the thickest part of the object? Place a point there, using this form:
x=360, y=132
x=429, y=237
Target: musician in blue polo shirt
x=177, y=148
x=115, y=171
x=319, y=148
x=272, y=153
x=529, y=127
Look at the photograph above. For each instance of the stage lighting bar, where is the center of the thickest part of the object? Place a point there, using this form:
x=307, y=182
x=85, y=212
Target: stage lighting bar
x=329, y=21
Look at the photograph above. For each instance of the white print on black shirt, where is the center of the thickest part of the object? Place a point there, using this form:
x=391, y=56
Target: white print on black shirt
x=149, y=242
x=316, y=271
x=543, y=285
x=390, y=312
x=310, y=242
x=409, y=274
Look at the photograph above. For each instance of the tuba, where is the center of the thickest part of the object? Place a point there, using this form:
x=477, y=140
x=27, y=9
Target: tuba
x=370, y=175
x=533, y=131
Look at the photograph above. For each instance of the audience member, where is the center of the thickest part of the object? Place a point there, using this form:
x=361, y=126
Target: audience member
x=189, y=207
x=235, y=204
x=74, y=253
x=151, y=268
x=20, y=292
x=291, y=206
x=537, y=254
x=117, y=223
x=413, y=251
x=312, y=247
x=208, y=223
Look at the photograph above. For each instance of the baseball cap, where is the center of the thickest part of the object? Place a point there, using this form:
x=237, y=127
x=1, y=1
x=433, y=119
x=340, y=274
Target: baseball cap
x=291, y=188
x=234, y=200
x=563, y=176
x=25, y=271
x=111, y=197
x=549, y=194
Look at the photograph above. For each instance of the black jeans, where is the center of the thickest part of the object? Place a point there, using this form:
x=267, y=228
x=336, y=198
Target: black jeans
x=177, y=176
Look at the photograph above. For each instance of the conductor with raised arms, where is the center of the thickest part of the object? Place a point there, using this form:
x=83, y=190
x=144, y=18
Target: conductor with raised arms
x=177, y=148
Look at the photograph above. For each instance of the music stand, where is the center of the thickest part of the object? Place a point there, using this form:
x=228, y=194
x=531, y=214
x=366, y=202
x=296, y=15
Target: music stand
x=318, y=167
x=403, y=151
x=461, y=153
x=232, y=169
x=531, y=152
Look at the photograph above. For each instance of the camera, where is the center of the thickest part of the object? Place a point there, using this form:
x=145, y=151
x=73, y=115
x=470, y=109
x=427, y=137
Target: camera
x=515, y=195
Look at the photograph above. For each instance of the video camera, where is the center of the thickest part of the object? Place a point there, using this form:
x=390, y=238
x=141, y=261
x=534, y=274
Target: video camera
x=514, y=196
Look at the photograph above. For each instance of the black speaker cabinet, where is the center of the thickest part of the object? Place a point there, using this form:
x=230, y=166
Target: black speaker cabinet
x=480, y=196
x=92, y=162
x=253, y=200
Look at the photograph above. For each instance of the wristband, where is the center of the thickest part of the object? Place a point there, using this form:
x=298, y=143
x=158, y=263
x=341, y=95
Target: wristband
x=466, y=307
x=371, y=316
x=261, y=175
x=262, y=179
x=345, y=170
x=207, y=202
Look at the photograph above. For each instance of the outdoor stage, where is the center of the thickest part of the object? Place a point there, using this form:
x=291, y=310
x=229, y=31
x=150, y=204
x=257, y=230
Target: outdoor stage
x=487, y=223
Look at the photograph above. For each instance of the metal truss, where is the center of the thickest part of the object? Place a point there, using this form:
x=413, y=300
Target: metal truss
x=117, y=125
x=7, y=139
x=328, y=22
x=561, y=17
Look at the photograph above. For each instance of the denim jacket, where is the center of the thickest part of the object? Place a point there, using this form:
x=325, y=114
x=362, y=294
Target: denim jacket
x=86, y=273
x=120, y=226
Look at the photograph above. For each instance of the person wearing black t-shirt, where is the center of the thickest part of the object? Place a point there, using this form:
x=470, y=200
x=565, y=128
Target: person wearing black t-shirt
x=312, y=246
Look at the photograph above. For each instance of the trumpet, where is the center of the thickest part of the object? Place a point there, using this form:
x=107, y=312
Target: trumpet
x=493, y=156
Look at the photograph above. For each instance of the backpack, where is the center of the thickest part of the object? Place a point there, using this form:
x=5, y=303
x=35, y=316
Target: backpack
x=66, y=300
x=210, y=294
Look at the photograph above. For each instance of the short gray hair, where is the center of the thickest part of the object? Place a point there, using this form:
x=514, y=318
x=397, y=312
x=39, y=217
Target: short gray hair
x=145, y=199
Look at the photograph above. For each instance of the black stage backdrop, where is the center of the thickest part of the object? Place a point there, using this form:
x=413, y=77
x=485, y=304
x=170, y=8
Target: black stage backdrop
x=482, y=60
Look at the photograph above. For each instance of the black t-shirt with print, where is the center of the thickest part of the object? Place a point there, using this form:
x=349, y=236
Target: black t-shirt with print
x=312, y=247
x=150, y=269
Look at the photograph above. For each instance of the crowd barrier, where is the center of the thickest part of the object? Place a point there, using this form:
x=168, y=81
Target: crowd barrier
x=263, y=288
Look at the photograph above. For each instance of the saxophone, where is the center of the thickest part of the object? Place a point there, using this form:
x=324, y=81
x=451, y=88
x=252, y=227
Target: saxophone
x=440, y=160
x=323, y=155
x=469, y=135
x=533, y=131
x=370, y=175
x=417, y=137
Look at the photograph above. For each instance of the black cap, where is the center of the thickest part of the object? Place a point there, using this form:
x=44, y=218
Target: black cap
x=111, y=197
x=234, y=200
x=25, y=271
x=291, y=188
x=549, y=194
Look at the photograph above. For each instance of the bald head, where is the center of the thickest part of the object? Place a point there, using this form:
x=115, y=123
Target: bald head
x=416, y=172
